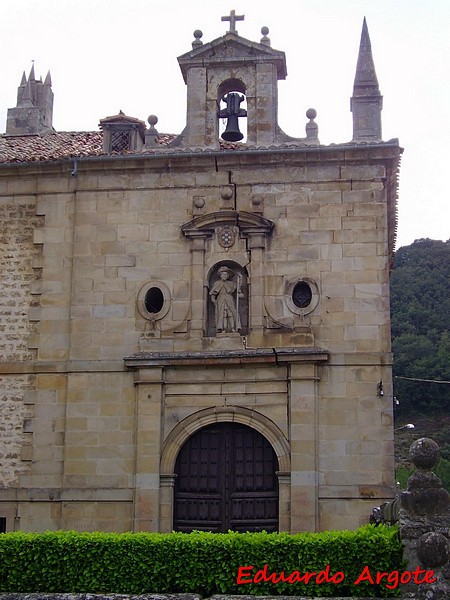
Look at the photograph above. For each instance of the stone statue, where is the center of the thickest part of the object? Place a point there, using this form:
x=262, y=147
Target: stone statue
x=225, y=295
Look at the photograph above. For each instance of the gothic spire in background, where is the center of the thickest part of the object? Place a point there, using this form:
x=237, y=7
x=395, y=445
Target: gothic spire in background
x=33, y=113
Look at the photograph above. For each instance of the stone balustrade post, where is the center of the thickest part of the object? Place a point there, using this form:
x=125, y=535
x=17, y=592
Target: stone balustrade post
x=425, y=510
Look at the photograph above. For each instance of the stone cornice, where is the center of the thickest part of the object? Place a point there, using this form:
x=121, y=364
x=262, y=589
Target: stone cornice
x=226, y=357
x=287, y=152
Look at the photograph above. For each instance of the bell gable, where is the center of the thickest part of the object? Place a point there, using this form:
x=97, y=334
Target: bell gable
x=232, y=50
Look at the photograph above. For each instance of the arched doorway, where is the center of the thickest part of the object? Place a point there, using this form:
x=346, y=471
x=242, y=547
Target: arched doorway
x=226, y=479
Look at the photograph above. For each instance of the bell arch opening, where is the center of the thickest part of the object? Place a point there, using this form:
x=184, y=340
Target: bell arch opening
x=231, y=85
x=232, y=103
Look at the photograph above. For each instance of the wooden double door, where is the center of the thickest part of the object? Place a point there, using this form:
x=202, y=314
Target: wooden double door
x=226, y=480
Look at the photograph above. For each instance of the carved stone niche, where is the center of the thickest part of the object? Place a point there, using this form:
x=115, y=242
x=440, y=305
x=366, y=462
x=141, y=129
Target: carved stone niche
x=227, y=303
x=227, y=238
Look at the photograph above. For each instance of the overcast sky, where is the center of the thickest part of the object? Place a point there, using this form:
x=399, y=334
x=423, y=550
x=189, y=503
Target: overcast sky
x=111, y=55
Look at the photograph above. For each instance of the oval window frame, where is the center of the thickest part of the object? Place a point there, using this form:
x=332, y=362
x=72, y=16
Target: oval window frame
x=167, y=300
x=289, y=290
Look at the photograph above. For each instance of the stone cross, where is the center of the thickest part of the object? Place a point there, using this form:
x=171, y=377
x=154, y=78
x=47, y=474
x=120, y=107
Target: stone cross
x=233, y=18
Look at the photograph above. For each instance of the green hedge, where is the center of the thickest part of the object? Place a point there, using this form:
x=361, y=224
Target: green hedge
x=203, y=563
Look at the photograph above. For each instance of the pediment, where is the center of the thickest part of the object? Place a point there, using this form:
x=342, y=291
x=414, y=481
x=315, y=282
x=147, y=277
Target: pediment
x=232, y=49
x=248, y=223
x=121, y=119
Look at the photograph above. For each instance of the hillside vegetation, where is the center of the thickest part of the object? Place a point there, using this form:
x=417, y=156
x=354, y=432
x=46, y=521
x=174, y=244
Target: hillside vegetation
x=420, y=310
x=420, y=315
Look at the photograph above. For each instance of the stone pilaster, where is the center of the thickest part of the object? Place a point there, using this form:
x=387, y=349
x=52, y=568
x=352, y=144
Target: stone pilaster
x=148, y=444
x=304, y=441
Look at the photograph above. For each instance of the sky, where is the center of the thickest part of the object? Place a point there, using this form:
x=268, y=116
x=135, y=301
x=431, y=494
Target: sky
x=111, y=55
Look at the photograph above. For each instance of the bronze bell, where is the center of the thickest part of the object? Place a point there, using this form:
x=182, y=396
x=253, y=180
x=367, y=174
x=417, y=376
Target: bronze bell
x=232, y=132
x=232, y=113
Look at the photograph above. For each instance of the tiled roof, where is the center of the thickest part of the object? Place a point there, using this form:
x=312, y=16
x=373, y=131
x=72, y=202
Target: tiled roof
x=56, y=145
x=59, y=145
x=51, y=146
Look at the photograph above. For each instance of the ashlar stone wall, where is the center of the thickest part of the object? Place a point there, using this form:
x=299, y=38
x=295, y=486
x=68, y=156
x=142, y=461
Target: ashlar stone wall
x=99, y=425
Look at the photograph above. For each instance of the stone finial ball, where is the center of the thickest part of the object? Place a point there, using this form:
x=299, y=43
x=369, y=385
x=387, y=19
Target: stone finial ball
x=265, y=30
x=199, y=201
x=432, y=549
x=198, y=34
x=226, y=193
x=311, y=113
x=153, y=119
x=424, y=453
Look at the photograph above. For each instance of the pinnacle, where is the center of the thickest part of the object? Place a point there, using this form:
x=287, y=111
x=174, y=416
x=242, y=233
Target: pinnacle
x=365, y=76
x=27, y=98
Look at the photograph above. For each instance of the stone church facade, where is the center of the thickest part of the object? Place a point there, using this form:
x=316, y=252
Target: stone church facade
x=195, y=330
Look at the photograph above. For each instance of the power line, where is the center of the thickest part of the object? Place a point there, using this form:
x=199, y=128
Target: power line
x=425, y=380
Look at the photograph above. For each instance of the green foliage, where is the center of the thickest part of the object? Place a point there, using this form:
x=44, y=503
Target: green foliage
x=442, y=471
x=420, y=305
x=402, y=475
x=445, y=451
x=199, y=562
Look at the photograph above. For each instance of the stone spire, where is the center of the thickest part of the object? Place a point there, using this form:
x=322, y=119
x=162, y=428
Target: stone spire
x=33, y=113
x=27, y=98
x=366, y=102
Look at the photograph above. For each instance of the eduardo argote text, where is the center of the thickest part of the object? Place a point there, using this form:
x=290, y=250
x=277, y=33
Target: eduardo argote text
x=390, y=579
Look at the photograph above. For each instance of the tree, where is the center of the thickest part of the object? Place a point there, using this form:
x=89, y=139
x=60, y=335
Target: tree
x=420, y=309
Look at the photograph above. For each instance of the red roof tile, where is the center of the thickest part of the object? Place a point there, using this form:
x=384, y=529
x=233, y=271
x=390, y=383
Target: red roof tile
x=58, y=145
x=51, y=146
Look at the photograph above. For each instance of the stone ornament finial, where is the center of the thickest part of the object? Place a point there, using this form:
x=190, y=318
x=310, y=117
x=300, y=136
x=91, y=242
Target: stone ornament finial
x=312, y=129
x=265, y=32
x=433, y=552
x=424, y=454
x=226, y=197
x=227, y=192
x=198, y=201
x=197, y=42
x=432, y=549
x=425, y=494
x=151, y=135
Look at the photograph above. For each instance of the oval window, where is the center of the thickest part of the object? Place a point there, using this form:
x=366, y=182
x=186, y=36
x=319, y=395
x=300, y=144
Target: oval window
x=302, y=295
x=154, y=300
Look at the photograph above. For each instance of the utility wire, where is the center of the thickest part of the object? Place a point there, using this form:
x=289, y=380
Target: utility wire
x=425, y=380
